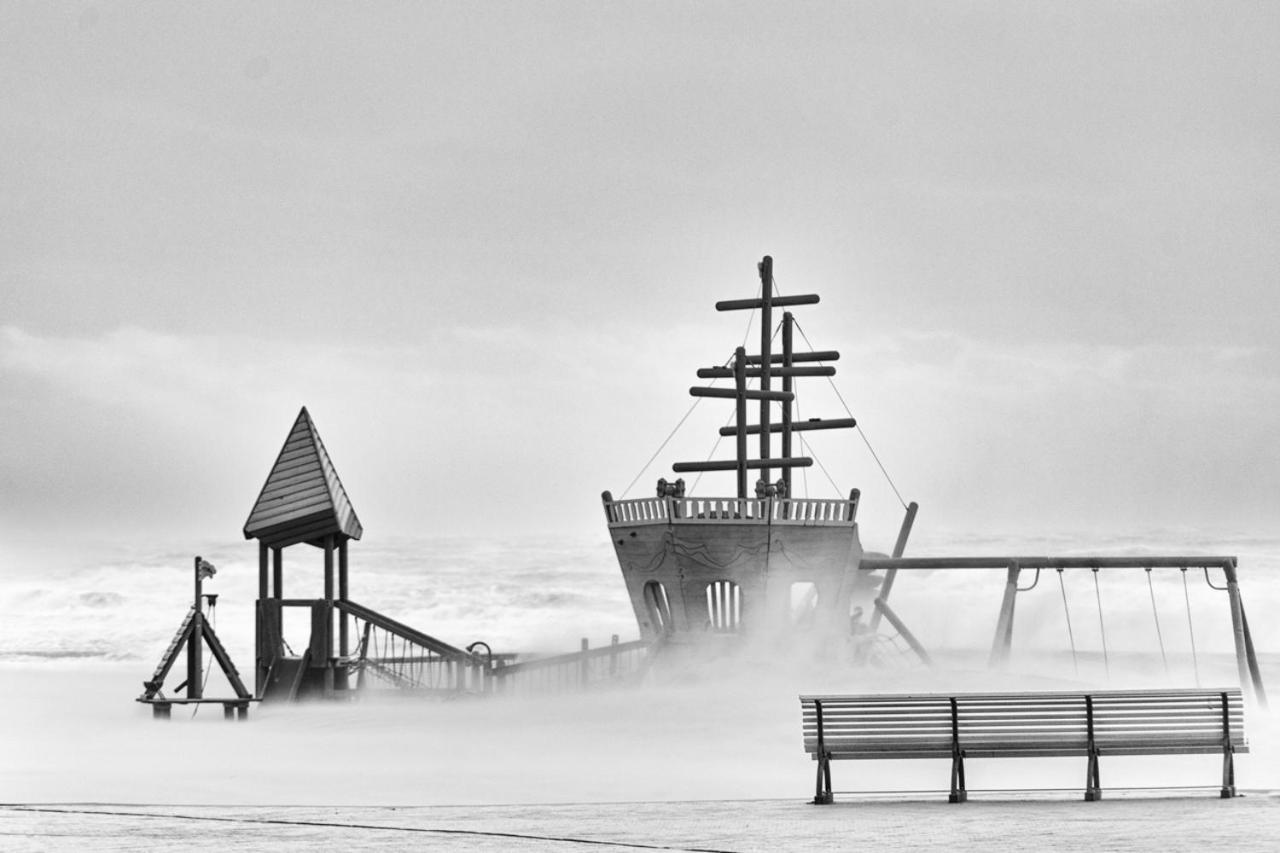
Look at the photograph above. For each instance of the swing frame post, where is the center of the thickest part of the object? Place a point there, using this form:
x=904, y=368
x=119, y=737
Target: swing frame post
x=1246, y=657
x=886, y=585
x=1002, y=642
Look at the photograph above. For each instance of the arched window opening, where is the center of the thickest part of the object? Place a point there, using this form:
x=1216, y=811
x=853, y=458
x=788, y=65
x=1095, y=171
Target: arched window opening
x=655, y=601
x=804, y=604
x=724, y=606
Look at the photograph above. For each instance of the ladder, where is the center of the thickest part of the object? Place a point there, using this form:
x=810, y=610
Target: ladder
x=166, y=660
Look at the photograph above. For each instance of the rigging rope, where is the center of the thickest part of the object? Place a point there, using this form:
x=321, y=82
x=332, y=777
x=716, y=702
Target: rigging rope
x=745, y=336
x=1097, y=591
x=804, y=472
x=1075, y=663
x=1156, y=614
x=665, y=441
x=719, y=438
x=208, y=664
x=1195, y=662
x=733, y=413
x=858, y=428
x=670, y=436
x=751, y=317
x=804, y=446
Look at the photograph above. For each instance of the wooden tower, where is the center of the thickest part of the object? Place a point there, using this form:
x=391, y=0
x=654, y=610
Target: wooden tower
x=302, y=501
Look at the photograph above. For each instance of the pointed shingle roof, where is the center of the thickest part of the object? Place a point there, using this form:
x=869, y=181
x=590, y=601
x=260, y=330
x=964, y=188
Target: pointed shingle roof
x=303, y=499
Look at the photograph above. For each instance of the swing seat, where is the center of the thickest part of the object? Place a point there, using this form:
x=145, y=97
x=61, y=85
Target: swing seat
x=1020, y=725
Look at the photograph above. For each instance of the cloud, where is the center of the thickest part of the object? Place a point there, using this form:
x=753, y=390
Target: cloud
x=1017, y=369
x=167, y=374
x=139, y=430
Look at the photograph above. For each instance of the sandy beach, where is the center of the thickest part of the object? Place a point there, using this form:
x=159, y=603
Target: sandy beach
x=1187, y=822
x=681, y=768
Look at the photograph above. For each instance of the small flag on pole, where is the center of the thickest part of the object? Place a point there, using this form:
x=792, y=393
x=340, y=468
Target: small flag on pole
x=205, y=569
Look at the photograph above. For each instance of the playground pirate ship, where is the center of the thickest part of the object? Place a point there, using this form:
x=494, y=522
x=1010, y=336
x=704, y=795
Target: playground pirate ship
x=764, y=563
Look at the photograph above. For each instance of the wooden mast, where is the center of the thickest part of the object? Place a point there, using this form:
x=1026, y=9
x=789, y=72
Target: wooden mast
x=787, y=379
x=766, y=346
x=761, y=367
x=195, y=641
x=740, y=418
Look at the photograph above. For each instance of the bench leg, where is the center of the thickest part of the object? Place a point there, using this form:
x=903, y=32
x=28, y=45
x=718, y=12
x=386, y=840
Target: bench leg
x=822, y=793
x=1092, y=784
x=958, y=792
x=1228, y=773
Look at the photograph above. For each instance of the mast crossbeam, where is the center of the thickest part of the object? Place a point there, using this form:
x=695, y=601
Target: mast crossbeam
x=779, y=358
x=776, y=301
x=756, y=373
x=796, y=426
x=747, y=393
x=733, y=464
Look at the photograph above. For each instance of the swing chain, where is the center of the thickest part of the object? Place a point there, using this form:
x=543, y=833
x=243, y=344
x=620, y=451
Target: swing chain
x=1075, y=663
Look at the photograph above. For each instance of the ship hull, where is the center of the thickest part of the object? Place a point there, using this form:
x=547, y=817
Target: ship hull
x=702, y=569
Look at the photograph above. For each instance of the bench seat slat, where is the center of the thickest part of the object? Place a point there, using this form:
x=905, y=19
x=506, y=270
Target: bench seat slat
x=1204, y=706
x=1098, y=696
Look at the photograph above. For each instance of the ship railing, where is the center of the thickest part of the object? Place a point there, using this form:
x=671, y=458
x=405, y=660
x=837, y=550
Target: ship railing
x=811, y=512
x=739, y=510
x=639, y=511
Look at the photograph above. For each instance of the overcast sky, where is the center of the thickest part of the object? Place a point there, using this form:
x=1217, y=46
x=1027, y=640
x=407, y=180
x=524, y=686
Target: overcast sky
x=482, y=242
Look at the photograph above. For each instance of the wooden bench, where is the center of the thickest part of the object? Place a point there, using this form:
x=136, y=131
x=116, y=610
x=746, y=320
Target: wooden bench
x=1012, y=725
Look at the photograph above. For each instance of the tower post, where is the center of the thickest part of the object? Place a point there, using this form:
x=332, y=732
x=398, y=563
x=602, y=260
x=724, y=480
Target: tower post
x=344, y=628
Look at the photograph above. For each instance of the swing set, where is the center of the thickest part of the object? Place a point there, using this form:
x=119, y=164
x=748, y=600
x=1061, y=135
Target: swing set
x=1002, y=642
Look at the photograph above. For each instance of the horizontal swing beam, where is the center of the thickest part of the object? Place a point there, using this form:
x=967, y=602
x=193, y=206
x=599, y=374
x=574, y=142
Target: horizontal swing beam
x=750, y=464
x=1045, y=562
x=797, y=426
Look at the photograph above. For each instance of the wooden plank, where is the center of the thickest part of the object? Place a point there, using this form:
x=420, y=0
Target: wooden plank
x=1159, y=724
x=305, y=501
x=1214, y=694
x=283, y=482
x=279, y=516
x=320, y=521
